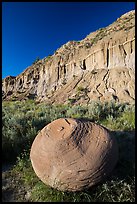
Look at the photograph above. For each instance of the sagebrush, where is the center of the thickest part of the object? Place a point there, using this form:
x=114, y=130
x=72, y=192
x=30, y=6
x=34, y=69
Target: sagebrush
x=21, y=122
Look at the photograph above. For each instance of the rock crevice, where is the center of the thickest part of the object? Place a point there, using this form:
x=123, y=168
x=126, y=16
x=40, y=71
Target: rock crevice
x=107, y=49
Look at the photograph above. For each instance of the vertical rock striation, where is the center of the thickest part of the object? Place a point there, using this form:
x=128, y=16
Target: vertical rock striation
x=107, y=50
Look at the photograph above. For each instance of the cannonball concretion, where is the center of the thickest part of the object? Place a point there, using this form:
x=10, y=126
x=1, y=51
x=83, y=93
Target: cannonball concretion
x=72, y=154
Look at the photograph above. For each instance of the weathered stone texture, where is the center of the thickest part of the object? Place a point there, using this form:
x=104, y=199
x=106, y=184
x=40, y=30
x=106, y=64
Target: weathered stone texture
x=108, y=48
x=72, y=155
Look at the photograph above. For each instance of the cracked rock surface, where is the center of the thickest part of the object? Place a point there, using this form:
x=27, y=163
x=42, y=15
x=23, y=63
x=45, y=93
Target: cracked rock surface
x=73, y=154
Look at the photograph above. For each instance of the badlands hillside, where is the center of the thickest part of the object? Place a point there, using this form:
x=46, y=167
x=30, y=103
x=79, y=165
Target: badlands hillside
x=99, y=67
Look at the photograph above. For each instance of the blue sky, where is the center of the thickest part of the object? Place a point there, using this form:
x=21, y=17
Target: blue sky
x=37, y=29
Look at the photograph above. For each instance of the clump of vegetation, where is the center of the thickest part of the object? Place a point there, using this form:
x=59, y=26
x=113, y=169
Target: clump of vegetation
x=71, y=101
x=23, y=120
x=56, y=52
x=36, y=60
x=100, y=34
x=87, y=45
x=81, y=92
x=120, y=187
x=81, y=89
x=48, y=58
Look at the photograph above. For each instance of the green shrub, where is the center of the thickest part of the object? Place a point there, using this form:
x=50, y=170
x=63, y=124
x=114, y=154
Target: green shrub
x=36, y=60
x=116, y=189
x=76, y=112
x=100, y=34
x=21, y=121
x=126, y=121
x=81, y=89
x=48, y=57
x=71, y=101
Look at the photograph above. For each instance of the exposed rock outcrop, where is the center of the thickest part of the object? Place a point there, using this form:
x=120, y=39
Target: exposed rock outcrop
x=103, y=54
x=72, y=155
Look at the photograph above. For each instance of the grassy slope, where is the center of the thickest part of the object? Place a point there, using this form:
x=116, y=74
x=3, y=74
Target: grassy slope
x=21, y=123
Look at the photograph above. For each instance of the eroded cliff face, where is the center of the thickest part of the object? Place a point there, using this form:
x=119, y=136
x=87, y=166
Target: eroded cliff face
x=102, y=65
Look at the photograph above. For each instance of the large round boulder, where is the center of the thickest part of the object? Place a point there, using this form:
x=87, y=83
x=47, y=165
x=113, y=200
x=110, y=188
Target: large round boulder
x=72, y=154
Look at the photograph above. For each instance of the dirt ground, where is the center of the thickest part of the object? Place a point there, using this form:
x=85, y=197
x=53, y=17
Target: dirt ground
x=12, y=188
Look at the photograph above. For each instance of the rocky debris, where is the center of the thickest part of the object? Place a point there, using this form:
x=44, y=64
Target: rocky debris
x=73, y=154
x=108, y=48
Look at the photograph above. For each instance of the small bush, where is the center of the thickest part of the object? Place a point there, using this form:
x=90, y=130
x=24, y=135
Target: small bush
x=76, y=112
x=101, y=34
x=80, y=88
x=48, y=57
x=36, y=60
x=71, y=101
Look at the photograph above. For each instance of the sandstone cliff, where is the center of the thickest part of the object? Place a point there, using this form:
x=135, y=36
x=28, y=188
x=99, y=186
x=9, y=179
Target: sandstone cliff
x=99, y=67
